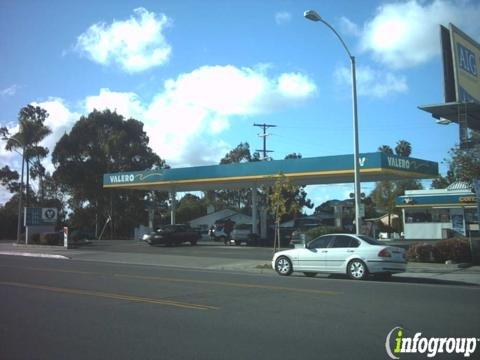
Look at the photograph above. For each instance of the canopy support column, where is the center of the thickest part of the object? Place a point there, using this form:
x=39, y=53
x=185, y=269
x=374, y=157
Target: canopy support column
x=254, y=210
x=173, y=206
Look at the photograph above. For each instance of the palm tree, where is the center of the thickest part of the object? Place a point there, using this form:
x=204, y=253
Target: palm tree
x=32, y=131
x=403, y=148
x=386, y=149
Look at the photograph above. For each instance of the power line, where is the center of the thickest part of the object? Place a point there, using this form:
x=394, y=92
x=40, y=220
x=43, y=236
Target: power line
x=264, y=135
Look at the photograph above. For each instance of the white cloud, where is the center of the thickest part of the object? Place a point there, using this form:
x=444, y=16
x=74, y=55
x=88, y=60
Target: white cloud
x=283, y=17
x=349, y=27
x=295, y=85
x=186, y=119
x=202, y=103
x=127, y=104
x=9, y=91
x=373, y=83
x=60, y=120
x=405, y=34
x=136, y=44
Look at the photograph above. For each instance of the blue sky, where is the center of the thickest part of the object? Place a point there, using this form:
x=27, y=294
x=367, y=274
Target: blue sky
x=200, y=73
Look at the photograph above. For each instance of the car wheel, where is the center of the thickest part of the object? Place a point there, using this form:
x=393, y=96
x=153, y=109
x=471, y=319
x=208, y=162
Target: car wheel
x=310, y=274
x=238, y=243
x=193, y=242
x=283, y=266
x=224, y=239
x=357, y=270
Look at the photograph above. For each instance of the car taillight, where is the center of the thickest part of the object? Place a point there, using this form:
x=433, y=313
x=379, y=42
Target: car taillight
x=384, y=253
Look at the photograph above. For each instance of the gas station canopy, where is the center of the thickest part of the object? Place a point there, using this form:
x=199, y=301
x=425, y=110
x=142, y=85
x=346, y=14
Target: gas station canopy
x=308, y=171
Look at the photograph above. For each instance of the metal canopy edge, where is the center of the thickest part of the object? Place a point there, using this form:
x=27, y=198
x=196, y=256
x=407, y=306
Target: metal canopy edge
x=454, y=110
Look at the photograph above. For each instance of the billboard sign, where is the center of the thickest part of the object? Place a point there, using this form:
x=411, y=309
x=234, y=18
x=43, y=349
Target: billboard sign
x=466, y=62
x=40, y=216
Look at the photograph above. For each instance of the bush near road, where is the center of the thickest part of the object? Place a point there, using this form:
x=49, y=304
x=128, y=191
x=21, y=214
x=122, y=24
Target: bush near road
x=456, y=250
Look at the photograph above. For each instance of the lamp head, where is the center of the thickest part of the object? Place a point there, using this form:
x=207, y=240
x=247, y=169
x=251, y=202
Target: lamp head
x=312, y=15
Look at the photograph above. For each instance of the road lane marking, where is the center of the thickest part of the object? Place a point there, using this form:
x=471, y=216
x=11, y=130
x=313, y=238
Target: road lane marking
x=111, y=296
x=230, y=284
x=191, y=281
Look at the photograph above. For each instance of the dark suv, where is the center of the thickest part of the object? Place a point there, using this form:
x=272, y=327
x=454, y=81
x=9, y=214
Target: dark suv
x=173, y=235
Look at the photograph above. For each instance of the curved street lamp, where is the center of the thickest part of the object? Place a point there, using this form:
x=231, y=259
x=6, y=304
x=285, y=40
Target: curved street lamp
x=314, y=16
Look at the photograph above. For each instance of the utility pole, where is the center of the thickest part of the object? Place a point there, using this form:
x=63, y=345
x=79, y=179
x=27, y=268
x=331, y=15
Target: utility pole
x=264, y=135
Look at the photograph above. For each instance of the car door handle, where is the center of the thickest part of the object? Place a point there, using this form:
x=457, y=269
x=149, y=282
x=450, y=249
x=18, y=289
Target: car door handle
x=324, y=251
x=350, y=251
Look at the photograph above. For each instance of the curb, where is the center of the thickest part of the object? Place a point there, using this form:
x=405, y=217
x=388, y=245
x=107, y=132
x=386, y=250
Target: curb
x=48, y=256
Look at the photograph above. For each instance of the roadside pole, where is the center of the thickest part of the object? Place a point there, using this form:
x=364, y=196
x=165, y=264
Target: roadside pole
x=65, y=237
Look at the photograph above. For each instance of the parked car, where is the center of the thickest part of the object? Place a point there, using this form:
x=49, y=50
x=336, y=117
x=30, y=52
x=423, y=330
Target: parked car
x=173, y=235
x=219, y=234
x=354, y=255
x=242, y=233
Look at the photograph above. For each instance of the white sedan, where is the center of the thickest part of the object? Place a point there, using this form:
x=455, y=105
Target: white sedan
x=354, y=255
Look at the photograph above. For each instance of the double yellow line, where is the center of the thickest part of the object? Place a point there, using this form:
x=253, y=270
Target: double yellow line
x=111, y=296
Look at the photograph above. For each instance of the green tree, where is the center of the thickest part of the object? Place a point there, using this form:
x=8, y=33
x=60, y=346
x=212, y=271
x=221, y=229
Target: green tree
x=403, y=148
x=239, y=199
x=386, y=149
x=281, y=203
x=104, y=142
x=463, y=164
x=385, y=192
x=190, y=207
x=9, y=179
x=32, y=130
x=442, y=182
x=299, y=194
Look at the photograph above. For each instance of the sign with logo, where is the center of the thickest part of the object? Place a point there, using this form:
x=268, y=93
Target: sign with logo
x=466, y=57
x=40, y=216
x=49, y=215
x=398, y=343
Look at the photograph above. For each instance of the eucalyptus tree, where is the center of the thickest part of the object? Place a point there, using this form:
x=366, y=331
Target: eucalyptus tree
x=31, y=131
x=104, y=142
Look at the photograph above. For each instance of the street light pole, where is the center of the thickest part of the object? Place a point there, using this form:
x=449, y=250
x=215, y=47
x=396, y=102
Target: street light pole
x=314, y=16
x=20, y=199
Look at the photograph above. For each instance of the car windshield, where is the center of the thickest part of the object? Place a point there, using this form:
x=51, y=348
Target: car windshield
x=370, y=240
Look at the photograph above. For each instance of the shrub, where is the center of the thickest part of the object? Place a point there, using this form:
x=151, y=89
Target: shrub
x=421, y=252
x=457, y=250
x=52, y=238
x=36, y=238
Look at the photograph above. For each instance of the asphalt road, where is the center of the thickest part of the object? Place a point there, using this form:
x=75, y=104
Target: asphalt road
x=65, y=309
x=202, y=249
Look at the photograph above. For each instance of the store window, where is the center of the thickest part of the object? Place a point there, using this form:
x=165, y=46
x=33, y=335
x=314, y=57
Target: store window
x=427, y=215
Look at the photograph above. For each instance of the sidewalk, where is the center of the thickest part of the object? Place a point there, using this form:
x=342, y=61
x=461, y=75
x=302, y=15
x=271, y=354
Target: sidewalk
x=462, y=273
